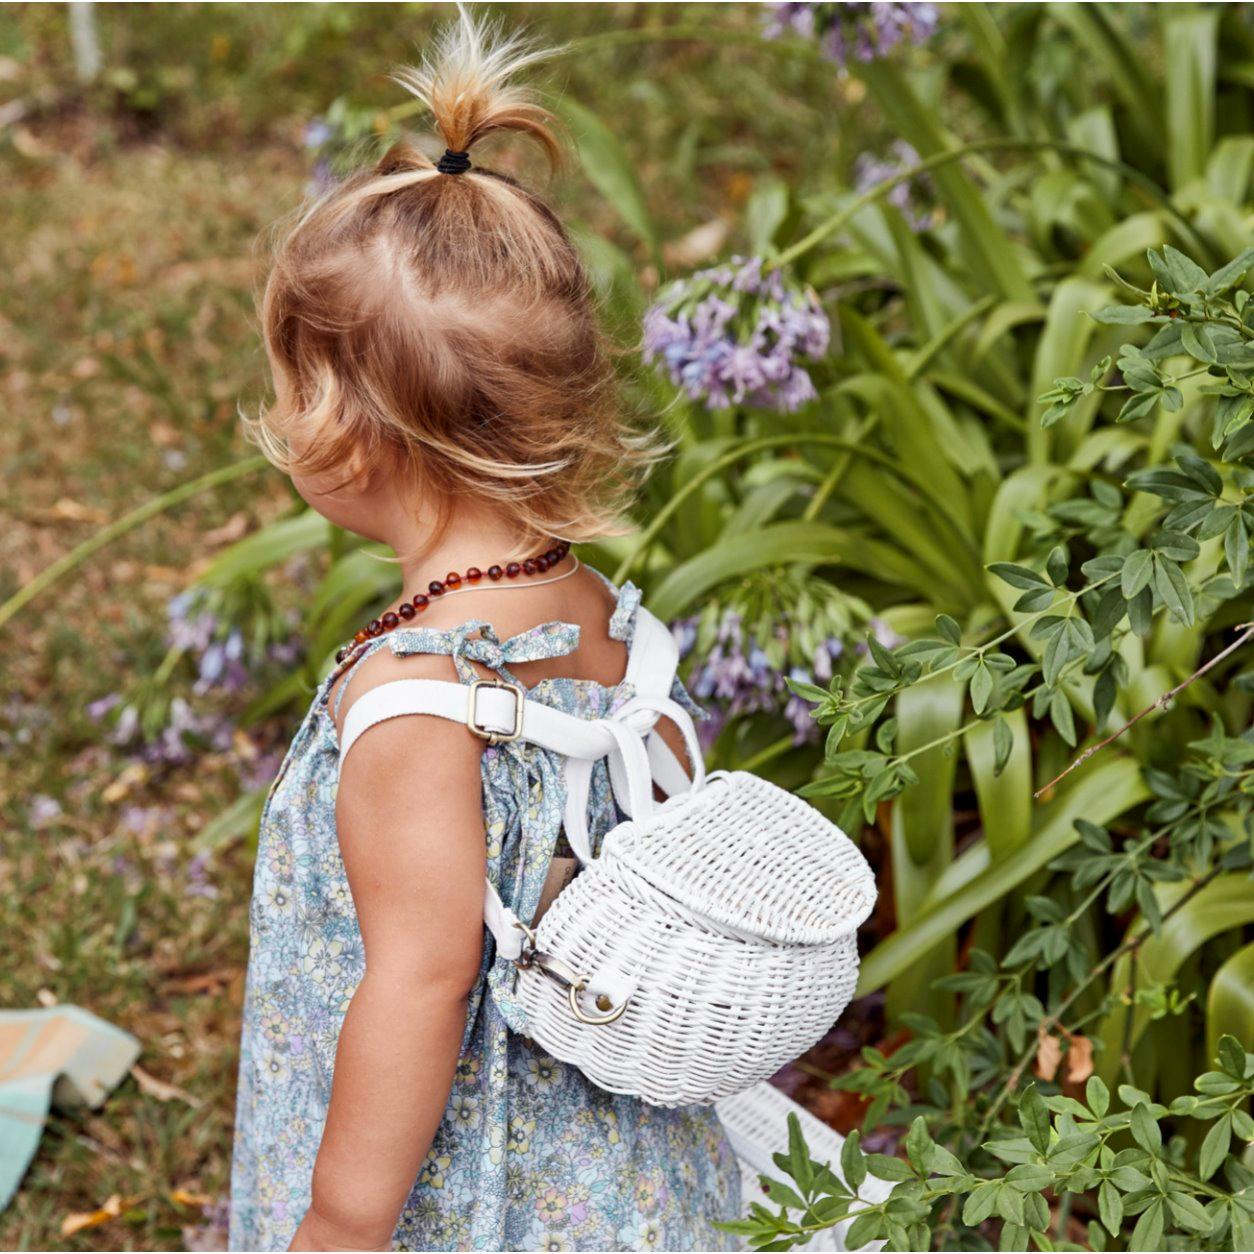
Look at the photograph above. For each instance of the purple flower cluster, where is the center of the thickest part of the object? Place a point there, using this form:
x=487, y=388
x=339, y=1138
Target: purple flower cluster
x=870, y=171
x=221, y=656
x=736, y=334
x=176, y=743
x=855, y=31
x=737, y=677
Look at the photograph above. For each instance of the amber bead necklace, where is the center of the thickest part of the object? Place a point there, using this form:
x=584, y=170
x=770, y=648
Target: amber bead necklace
x=454, y=582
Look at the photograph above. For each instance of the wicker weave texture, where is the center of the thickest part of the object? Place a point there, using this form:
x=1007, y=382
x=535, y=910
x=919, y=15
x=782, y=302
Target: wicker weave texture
x=748, y=855
x=732, y=961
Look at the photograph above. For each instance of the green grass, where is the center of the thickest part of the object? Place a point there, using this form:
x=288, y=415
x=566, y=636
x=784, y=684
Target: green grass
x=128, y=268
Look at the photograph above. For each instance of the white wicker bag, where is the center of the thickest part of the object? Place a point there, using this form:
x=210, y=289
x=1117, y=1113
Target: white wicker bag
x=713, y=938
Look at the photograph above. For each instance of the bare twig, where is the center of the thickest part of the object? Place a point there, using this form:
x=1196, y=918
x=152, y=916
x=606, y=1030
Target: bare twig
x=1247, y=632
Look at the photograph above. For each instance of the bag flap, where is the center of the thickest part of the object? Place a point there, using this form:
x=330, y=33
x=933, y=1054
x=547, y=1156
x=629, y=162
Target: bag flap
x=751, y=857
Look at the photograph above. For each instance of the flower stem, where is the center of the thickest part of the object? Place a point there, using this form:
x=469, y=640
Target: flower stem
x=120, y=526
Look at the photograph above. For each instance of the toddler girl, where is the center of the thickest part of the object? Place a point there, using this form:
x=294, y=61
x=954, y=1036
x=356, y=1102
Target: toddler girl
x=440, y=386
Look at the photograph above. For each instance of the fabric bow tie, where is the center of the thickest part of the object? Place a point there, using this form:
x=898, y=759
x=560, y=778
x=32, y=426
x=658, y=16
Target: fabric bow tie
x=476, y=641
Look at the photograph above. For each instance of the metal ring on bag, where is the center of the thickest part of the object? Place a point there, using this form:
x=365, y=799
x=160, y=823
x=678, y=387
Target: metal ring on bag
x=575, y=984
x=583, y=1016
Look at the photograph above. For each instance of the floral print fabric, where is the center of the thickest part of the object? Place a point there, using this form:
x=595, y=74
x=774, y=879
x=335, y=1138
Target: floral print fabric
x=530, y=1154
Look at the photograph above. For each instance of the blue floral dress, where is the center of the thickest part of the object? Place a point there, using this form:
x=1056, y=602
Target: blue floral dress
x=530, y=1154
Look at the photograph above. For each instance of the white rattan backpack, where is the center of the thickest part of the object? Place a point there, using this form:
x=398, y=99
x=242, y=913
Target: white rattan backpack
x=711, y=940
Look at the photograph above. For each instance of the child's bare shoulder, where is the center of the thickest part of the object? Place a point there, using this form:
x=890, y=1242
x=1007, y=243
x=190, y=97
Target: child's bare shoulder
x=382, y=667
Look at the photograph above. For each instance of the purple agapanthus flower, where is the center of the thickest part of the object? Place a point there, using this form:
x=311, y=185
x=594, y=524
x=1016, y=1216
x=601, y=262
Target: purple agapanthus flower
x=222, y=658
x=736, y=677
x=870, y=171
x=855, y=31
x=219, y=654
x=737, y=335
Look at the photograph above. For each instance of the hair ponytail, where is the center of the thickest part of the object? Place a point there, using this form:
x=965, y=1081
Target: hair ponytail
x=466, y=81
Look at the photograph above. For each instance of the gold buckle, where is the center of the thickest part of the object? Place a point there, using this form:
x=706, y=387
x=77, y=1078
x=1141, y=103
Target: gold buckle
x=486, y=733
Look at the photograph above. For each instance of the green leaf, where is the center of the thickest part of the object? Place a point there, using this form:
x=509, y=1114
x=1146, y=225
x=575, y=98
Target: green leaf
x=1190, y=56
x=1229, y=275
x=943, y=1163
x=992, y=257
x=237, y=822
x=1198, y=341
x=1030, y=1177
x=1019, y=576
x=1123, y=315
x=1232, y=1057
x=1188, y=1213
x=1034, y=1116
x=1215, y=1147
x=1148, y=1233
x=853, y=1161
x=1230, y=1001
x=1173, y=587
x=735, y=556
x=980, y=1203
x=268, y=548
x=1110, y=1207
x=1010, y=1204
x=1237, y=548
x=1097, y=1095
x=866, y=1228
x=884, y=1167
x=799, y=1164
x=1145, y=1130
x=981, y=687
x=611, y=170
x=1060, y=714
x=918, y=1143
x=1137, y=569
x=1224, y=904
x=765, y=214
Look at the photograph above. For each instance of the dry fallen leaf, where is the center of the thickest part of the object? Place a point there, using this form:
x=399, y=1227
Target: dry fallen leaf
x=1079, y=1059
x=82, y=1220
x=231, y=530
x=163, y=1092
x=66, y=510
x=1048, y=1055
x=206, y=982
x=700, y=244
x=185, y=1198
x=130, y=776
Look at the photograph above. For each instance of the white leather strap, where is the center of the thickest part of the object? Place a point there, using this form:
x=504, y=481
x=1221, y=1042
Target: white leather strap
x=503, y=923
x=495, y=710
x=653, y=658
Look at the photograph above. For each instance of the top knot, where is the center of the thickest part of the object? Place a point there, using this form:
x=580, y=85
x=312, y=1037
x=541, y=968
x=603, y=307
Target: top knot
x=453, y=162
x=465, y=81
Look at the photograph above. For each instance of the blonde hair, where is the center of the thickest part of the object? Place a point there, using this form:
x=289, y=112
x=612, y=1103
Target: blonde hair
x=445, y=321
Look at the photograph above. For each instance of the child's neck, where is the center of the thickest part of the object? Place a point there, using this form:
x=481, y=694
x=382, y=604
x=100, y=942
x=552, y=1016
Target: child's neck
x=472, y=538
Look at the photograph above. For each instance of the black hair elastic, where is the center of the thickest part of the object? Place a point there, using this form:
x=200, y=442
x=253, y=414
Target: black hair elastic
x=453, y=162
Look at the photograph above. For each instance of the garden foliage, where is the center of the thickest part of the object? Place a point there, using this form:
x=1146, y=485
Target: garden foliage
x=959, y=521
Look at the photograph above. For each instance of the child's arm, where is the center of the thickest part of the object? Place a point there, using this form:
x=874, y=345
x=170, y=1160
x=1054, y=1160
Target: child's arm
x=409, y=816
